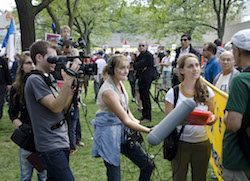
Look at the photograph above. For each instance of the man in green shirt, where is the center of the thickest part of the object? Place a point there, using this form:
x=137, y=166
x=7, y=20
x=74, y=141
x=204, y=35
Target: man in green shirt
x=236, y=166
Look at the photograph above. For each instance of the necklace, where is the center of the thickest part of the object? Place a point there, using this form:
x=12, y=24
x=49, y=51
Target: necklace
x=184, y=93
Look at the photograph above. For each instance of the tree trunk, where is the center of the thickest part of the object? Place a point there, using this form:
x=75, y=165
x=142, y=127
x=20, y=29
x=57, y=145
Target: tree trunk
x=26, y=17
x=55, y=19
x=87, y=45
x=27, y=13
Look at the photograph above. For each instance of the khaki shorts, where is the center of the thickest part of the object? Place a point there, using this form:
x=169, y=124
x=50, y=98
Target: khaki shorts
x=86, y=80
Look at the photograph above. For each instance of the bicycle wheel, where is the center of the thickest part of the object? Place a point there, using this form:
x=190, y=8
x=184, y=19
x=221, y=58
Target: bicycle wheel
x=160, y=99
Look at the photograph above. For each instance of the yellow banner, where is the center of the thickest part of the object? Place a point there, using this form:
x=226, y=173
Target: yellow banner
x=216, y=132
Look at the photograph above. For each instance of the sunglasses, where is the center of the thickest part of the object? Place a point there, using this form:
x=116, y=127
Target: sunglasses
x=141, y=45
x=184, y=40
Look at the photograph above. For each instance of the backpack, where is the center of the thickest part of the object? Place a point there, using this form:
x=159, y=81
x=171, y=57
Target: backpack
x=170, y=144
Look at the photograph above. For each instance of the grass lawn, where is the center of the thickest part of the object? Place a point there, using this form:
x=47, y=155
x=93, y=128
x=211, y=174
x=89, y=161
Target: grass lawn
x=83, y=166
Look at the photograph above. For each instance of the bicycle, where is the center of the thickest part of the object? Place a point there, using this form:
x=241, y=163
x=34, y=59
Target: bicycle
x=159, y=94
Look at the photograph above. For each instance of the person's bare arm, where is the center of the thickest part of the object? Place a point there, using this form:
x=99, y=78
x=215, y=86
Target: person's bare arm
x=112, y=101
x=168, y=107
x=210, y=104
x=17, y=122
x=132, y=117
x=166, y=64
x=233, y=120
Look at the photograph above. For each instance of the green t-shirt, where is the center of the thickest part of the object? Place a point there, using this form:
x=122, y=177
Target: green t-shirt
x=238, y=101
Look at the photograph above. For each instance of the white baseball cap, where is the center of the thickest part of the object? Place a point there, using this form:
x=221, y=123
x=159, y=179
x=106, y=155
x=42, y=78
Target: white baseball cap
x=241, y=39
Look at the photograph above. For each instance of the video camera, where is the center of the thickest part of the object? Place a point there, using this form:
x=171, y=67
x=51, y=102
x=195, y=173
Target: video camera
x=80, y=43
x=85, y=69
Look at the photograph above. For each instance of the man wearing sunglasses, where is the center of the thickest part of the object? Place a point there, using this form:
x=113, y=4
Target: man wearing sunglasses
x=185, y=48
x=144, y=65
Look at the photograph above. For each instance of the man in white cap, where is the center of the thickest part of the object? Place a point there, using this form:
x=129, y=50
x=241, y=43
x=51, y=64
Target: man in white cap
x=236, y=160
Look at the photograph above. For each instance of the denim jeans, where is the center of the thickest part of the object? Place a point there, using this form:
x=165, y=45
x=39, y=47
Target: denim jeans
x=78, y=131
x=138, y=156
x=57, y=164
x=166, y=79
x=27, y=168
x=72, y=120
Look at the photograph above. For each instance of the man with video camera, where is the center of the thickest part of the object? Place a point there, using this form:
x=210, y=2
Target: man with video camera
x=46, y=107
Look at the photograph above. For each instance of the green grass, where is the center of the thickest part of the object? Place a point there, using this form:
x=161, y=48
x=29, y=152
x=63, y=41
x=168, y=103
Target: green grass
x=83, y=166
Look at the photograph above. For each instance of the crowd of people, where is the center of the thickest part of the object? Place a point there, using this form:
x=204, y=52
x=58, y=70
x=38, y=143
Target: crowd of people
x=45, y=100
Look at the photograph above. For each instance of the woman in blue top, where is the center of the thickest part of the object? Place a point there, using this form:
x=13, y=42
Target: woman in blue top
x=112, y=123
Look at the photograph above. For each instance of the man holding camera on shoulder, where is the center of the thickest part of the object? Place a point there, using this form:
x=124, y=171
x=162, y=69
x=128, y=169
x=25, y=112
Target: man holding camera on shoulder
x=46, y=107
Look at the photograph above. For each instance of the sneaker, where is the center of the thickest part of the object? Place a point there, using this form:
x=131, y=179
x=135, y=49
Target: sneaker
x=73, y=152
x=145, y=121
x=79, y=143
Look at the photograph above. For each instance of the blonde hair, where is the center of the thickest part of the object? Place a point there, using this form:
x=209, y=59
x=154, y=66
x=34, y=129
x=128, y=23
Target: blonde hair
x=65, y=27
x=201, y=91
x=113, y=63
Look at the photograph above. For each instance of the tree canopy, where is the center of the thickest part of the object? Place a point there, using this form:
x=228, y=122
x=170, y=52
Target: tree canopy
x=91, y=19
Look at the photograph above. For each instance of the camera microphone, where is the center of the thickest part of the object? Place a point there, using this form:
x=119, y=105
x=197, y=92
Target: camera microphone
x=56, y=59
x=173, y=119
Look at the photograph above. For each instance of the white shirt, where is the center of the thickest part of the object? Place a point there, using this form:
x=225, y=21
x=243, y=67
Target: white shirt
x=100, y=65
x=222, y=82
x=183, y=52
x=129, y=58
x=167, y=60
x=191, y=133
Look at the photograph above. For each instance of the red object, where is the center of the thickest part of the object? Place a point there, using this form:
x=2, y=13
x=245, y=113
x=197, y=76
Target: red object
x=35, y=162
x=202, y=60
x=198, y=117
x=222, y=45
x=125, y=42
x=60, y=84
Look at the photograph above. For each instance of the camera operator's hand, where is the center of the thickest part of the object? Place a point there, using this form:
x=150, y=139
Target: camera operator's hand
x=77, y=60
x=68, y=79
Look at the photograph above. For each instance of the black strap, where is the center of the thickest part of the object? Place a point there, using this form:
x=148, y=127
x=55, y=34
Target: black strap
x=46, y=79
x=176, y=96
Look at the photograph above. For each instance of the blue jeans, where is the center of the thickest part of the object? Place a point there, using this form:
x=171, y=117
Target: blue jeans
x=72, y=120
x=27, y=168
x=138, y=156
x=57, y=164
x=166, y=79
x=78, y=131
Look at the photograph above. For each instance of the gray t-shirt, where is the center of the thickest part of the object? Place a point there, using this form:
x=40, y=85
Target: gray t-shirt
x=42, y=118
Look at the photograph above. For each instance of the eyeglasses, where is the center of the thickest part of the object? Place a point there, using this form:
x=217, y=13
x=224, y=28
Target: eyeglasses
x=141, y=45
x=183, y=39
x=204, y=50
x=28, y=63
